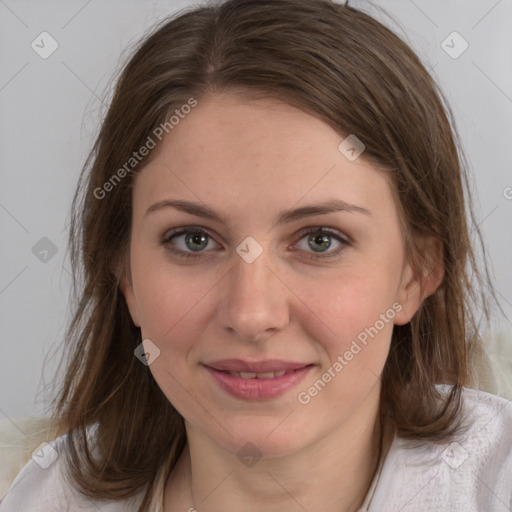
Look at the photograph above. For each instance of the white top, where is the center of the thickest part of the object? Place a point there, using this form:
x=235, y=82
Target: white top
x=472, y=475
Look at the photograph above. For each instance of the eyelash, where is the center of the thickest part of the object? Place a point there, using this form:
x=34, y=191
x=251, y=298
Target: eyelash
x=197, y=230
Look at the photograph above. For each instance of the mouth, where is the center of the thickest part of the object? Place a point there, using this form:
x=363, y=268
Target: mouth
x=257, y=380
x=255, y=375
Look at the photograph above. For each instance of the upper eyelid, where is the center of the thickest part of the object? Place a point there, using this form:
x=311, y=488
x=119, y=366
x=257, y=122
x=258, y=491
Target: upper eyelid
x=168, y=234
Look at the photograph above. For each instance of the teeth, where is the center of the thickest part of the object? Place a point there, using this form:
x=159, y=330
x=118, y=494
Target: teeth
x=266, y=375
x=245, y=375
x=263, y=375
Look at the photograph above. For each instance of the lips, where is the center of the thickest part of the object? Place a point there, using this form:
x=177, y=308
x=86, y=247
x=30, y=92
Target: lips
x=257, y=380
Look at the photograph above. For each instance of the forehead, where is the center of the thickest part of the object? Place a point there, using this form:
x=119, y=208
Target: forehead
x=257, y=154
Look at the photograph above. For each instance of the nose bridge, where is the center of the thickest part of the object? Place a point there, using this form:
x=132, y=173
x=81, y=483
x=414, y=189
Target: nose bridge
x=255, y=299
x=251, y=275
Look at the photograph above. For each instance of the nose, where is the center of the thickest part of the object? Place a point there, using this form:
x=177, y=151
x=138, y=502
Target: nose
x=254, y=304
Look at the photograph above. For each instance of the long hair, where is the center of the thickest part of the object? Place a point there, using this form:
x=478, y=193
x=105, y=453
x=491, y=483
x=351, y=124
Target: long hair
x=347, y=69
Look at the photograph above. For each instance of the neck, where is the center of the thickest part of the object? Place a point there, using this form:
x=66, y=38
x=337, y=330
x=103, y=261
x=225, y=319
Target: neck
x=332, y=474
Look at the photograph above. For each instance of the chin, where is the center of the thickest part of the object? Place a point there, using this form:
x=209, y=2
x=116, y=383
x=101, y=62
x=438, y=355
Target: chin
x=266, y=437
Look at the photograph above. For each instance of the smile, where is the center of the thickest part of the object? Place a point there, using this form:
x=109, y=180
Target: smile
x=253, y=385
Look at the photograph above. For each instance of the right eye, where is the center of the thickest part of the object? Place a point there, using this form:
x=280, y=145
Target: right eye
x=190, y=238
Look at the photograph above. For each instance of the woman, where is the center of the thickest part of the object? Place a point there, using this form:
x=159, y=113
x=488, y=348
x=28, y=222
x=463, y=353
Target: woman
x=276, y=310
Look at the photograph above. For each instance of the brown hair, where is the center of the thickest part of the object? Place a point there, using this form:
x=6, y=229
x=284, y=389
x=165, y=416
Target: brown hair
x=350, y=71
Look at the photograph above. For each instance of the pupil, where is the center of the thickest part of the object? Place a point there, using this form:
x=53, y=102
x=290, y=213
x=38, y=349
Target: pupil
x=321, y=239
x=196, y=238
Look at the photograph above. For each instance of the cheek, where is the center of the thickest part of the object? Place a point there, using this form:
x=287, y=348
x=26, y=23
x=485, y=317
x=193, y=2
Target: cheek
x=168, y=298
x=350, y=305
x=359, y=314
x=172, y=306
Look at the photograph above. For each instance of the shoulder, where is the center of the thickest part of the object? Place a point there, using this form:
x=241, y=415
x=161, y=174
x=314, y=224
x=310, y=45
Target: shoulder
x=470, y=473
x=42, y=486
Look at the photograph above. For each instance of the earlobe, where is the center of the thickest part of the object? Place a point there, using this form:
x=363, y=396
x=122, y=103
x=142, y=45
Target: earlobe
x=126, y=286
x=416, y=286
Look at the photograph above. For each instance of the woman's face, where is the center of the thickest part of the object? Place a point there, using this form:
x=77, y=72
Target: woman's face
x=243, y=287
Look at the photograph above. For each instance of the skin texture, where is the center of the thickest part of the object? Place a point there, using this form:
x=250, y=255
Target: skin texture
x=249, y=160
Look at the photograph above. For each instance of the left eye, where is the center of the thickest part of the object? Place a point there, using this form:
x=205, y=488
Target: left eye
x=319, y=240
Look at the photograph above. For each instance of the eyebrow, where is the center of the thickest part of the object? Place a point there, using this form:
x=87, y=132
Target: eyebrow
x=284, y=217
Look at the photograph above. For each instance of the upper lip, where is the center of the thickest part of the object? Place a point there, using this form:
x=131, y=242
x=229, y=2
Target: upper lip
x=270, y=365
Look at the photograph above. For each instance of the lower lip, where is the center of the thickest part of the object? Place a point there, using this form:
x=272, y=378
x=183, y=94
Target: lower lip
x=258, y=389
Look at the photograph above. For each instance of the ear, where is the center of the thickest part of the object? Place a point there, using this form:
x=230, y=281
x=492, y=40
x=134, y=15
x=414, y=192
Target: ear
x=417, y=285
x=126, y=286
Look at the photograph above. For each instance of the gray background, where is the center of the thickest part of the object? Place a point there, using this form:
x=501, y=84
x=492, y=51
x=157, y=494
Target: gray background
x=50, y=110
